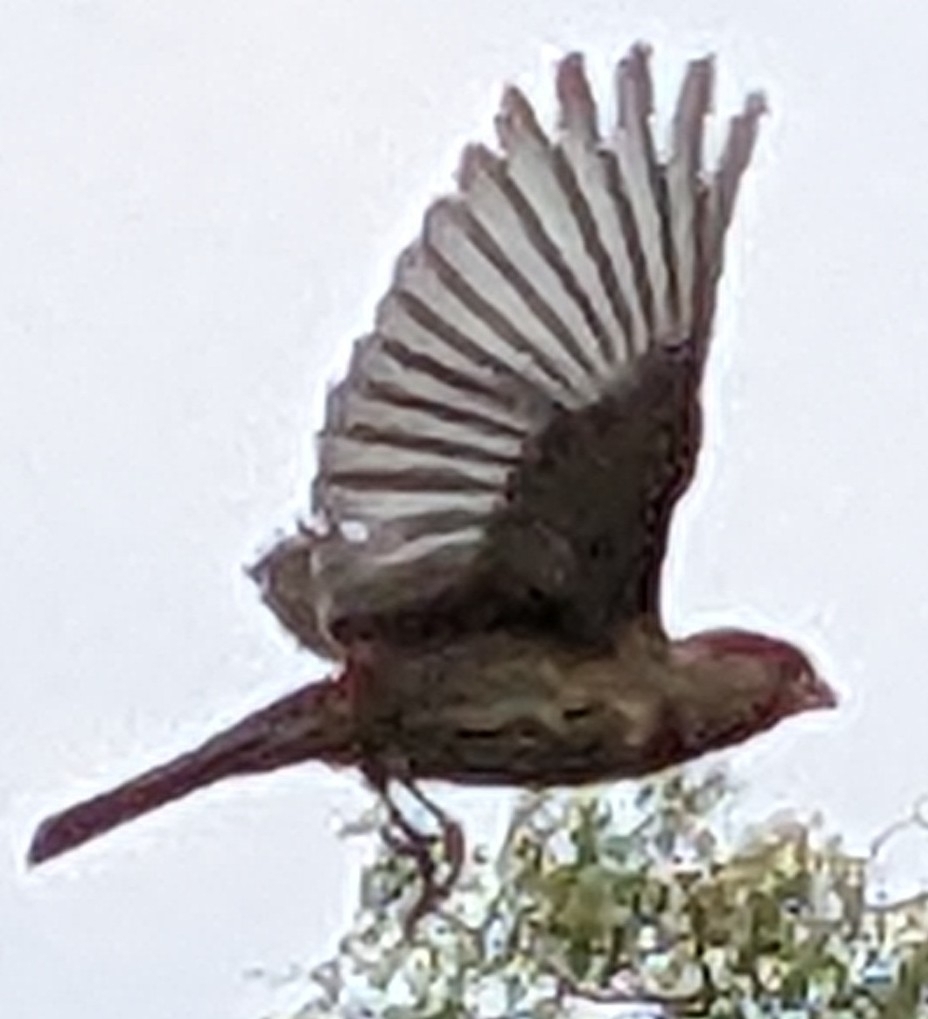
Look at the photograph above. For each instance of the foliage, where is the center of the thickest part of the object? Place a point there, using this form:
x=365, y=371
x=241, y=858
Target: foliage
x=593, y=904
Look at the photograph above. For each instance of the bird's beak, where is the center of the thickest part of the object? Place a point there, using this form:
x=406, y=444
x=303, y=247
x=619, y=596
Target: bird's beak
x=821, y=695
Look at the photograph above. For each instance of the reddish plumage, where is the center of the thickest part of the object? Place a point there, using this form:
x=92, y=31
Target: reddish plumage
x=497, y=473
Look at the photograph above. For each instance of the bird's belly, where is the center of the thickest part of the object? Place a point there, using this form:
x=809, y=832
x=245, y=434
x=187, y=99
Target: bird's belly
x=521, y=720
x=528, y=751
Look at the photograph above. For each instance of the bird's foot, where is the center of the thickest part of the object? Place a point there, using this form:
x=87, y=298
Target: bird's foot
x=405, y=838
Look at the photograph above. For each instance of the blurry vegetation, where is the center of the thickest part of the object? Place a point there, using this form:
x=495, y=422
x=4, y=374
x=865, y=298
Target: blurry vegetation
x=592, y=905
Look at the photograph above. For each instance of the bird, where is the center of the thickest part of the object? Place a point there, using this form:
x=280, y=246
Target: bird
x=496, y=477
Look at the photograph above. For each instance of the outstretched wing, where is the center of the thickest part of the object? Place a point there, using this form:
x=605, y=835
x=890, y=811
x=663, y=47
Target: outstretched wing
x=509, y=442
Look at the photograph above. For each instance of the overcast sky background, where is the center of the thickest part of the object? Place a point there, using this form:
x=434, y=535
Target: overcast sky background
x=200, y=203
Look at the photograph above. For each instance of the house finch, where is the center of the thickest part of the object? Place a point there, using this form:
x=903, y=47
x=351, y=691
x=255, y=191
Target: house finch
x=496, y=477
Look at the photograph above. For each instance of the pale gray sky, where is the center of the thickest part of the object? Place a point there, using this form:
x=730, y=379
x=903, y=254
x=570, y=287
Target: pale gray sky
x=200, y=203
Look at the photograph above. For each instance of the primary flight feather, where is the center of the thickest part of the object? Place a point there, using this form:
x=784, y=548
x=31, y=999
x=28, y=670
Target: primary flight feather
x=496, y=477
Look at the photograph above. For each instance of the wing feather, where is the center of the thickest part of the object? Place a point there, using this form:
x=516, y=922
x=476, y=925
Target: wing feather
x=641, y=180
x=685, y=188
x=584, y=177
x=520, y=421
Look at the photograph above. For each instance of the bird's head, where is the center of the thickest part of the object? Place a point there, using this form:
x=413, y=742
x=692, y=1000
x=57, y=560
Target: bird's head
x=749, y=682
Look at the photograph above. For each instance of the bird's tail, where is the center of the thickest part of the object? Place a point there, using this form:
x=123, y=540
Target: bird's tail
x=314, y=723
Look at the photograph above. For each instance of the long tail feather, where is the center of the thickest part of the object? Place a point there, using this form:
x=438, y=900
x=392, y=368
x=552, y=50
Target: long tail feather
x=313, y=723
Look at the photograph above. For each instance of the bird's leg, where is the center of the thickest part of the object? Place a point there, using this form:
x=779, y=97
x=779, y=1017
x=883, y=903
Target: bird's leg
x=406, y=838
x=399, y=832
x=452, y=836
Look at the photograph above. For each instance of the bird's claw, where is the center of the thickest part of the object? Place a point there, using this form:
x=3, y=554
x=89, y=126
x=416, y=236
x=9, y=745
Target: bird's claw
x=407, y=840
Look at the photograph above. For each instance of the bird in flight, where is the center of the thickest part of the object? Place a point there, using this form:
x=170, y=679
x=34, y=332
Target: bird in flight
x=496, y=477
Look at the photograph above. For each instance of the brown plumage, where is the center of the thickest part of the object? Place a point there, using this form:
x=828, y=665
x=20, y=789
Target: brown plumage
x=497, y=474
